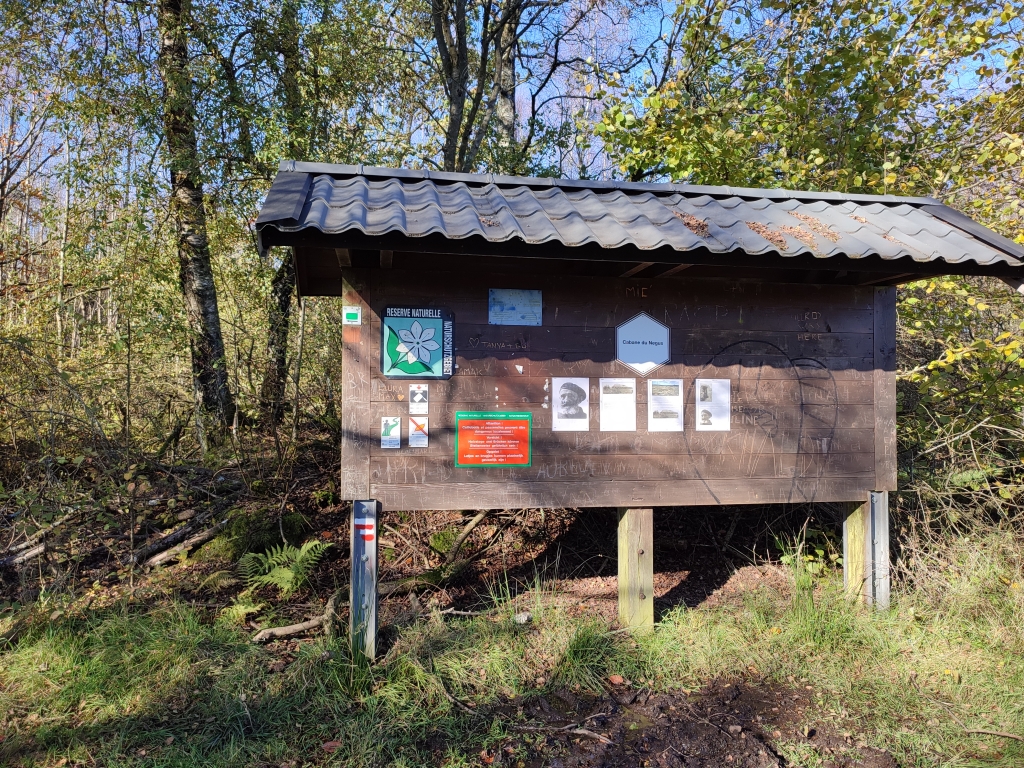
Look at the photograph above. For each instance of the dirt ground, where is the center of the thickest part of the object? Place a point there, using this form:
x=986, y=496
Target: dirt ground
x=737, y=725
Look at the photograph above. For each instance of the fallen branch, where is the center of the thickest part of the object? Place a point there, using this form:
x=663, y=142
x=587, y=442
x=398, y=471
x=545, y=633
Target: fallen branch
x=575, y=729
x=23, y=557
x=191, y=543
x=266, y=635
x=39, y=535
x=1001, y=734
x=328, y=617
x=171, y=539
x=461, y=539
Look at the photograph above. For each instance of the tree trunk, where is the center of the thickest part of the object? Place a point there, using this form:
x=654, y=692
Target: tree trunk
x=505, y=110
x=272, y=390
x=283, y=284
x=188, y=212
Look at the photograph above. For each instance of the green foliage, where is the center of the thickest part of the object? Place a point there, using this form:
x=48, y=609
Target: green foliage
x=847, y=95
x=286, y=567
x=259, y=531
x=442, y=541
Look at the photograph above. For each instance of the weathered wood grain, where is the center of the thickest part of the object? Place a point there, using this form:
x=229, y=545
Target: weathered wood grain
x=719, y=296
x=804, y=394
x=636, y=568
x=737, y=442
x=415, y=470
x=657, y=493
x=811, y=387
x=807, y=415
x=885, y=389
x=357, y=368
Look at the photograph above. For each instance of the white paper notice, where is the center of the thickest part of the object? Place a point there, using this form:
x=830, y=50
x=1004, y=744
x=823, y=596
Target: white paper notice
x=571, y=411
x=418, y=432
x=713, y=413
x=618, y=405
x=390, y=432
x=419, y=398
x=664, y=405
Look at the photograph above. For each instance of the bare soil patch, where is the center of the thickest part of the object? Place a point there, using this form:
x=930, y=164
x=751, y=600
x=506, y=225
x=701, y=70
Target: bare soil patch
x=737, y=724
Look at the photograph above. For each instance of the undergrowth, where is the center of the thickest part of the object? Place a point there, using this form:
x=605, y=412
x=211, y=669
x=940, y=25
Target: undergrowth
x=170, y=686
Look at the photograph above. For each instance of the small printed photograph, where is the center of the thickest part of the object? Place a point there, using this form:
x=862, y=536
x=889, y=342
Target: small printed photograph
x=713, y=410
x=570, y=408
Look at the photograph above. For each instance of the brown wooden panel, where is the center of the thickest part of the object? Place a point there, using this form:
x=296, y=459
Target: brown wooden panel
x=357, y=366
x=801, y=360
x=885, y=389
x=415, y=470
x=743, y=439
x=811, y=387
x=808, y=416
x=685, y=366
x=624, y=296
x=615, y=493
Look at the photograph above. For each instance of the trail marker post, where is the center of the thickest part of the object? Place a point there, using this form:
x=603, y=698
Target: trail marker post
x=362, y=622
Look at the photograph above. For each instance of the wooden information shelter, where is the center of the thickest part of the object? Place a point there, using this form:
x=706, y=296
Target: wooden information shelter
x=513, y=342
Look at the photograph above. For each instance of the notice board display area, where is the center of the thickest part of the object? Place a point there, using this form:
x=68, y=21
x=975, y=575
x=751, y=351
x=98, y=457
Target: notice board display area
x=516, y=342
x=726, y=392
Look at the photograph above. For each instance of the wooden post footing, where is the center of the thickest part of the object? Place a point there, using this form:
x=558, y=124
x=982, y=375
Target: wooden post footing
x=636, y=567
x=866, y=550
x=362, y=615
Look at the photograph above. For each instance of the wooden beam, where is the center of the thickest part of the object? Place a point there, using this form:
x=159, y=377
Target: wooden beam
x=866, y=550
x=362, y=617
x=637, y=268
x=674, y=270
x=358, y=364
x=386, y=258
x=884, y=376
x=893, y=278
x=344, y=257
x=636, y=568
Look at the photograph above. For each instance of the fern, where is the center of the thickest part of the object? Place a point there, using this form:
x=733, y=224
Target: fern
x=286, y=567
x=235, y=614
x=218, y=580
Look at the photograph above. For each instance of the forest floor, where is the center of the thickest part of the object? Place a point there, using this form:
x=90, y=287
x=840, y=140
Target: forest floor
x=514, y=658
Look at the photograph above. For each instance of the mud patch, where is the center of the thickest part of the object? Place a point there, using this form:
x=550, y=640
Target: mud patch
x=736, y=725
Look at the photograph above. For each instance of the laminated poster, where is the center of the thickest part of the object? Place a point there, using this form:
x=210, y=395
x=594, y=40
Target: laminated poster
x=419, y=399
x=418, y=432
x=618, y=405
x=514, y=306
x=664, y=405
x=712, y=412
x=570, y=410
x=390, y=432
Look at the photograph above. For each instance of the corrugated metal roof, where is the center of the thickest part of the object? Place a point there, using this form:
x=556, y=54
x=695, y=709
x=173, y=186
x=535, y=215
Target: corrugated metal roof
x=335, y=199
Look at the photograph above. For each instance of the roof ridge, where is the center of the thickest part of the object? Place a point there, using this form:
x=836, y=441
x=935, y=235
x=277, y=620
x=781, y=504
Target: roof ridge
x=339, y=170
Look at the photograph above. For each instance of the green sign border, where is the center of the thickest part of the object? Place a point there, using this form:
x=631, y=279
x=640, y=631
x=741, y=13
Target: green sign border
x=496, y=415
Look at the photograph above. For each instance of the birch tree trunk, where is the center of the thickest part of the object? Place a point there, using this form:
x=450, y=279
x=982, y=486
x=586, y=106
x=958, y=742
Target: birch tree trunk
x=188, y=212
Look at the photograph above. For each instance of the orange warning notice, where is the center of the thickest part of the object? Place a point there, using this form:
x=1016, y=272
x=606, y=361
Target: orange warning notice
x=492, y=439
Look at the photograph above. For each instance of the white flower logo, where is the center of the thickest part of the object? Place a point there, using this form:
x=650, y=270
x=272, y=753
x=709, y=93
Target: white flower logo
x=417, y=343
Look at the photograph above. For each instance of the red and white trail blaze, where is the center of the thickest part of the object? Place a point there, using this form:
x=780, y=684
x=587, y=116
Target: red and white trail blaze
x=365, y=528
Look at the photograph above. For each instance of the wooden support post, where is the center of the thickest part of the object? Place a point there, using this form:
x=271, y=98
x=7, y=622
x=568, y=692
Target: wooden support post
x=636, y=567
x=866, y=550
x=362, y=617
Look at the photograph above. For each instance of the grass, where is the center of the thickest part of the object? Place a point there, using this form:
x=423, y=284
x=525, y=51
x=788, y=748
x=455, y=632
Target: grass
x=170, y=686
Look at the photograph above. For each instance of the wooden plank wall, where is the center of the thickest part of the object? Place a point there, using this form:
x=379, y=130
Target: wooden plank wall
x=802, y=359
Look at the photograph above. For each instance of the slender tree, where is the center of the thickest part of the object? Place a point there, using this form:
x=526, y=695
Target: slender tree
x=188, y=212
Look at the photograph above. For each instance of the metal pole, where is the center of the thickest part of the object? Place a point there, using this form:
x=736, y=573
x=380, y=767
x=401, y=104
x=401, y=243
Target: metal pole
x=362, y=621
